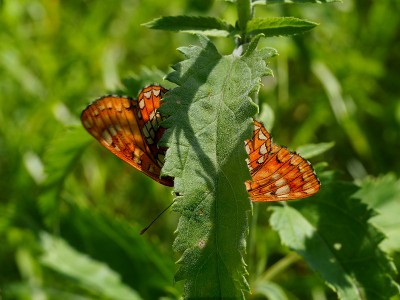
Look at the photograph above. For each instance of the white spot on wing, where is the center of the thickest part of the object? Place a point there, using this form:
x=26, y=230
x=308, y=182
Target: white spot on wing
x=141, y=103
x=263, y=149
x=261, y=135
x=281, y=182
x=156, y=92
x=147, y=94
x=275, y=176
x=260, y=160
x=282, y=190
x=247, y=149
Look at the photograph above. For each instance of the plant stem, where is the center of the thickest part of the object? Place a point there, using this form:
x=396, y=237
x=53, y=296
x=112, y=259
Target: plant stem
x=280, y=266
x=244, y=15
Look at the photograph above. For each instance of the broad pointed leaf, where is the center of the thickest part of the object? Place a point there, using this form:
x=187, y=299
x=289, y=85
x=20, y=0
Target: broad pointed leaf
x=209, y=118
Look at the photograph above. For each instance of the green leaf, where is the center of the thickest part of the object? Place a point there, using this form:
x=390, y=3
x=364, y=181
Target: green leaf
x=209, y=118
x=270, y=290
x=310, y=150
x=192, y=24
x=266, y=2
x=110, y=239
x=59, y=160
x=279, y=26
x=62, y=258
x=383, y=195
x=331, y=232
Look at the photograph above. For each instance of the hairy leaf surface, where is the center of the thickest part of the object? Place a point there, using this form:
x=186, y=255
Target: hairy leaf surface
x=209, y=118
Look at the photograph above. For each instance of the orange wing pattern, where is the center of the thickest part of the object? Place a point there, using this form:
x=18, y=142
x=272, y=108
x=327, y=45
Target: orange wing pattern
x=129, y=128
x=277, y=173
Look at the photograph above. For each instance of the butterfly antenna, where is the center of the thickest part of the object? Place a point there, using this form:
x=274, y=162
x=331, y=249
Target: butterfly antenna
x=155, y=219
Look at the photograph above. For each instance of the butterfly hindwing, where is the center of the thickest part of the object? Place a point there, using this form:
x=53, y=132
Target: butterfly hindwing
x=114, y=121
x=277, y=173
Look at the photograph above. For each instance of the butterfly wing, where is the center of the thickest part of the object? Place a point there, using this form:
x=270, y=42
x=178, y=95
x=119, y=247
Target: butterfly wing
x=149, y=119
x=114, y=121
x=277, y=173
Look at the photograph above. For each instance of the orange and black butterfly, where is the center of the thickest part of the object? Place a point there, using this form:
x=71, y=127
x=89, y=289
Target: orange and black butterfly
x=131, y=130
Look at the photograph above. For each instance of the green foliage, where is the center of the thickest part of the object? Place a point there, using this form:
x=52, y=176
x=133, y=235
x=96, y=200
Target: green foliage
x=206, y=25
x=209, y=118
x=265, y=2
x=348, y=262
x=88, y=273
x=383, y=195
x=311, y=150
x=279, y=26
x=337, y=83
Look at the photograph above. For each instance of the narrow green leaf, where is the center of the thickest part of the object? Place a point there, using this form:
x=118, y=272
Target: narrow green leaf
x=62, y=258
x=279, y=26
x=117, y=242
x=209, y=118
x=193, y=24
x=383, y=195
x=270, y=290
x=60, y=158
x=348, y=262
x=310, y=150
x=266, y=2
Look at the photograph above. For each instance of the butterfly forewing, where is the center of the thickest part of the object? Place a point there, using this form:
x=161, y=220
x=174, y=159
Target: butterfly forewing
x=118, y=124
x=277, y=173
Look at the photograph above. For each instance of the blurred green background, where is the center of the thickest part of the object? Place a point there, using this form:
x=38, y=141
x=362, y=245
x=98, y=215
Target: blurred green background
x=69, y=209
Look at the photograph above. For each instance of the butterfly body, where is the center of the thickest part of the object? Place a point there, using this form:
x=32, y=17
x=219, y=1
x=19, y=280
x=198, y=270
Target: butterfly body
x=131, y=130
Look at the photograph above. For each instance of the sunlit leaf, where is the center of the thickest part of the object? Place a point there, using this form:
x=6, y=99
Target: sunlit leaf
x=62, y=258
x=196, y=24
x=207, y=158
x=311, y=150
x=279, y=26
